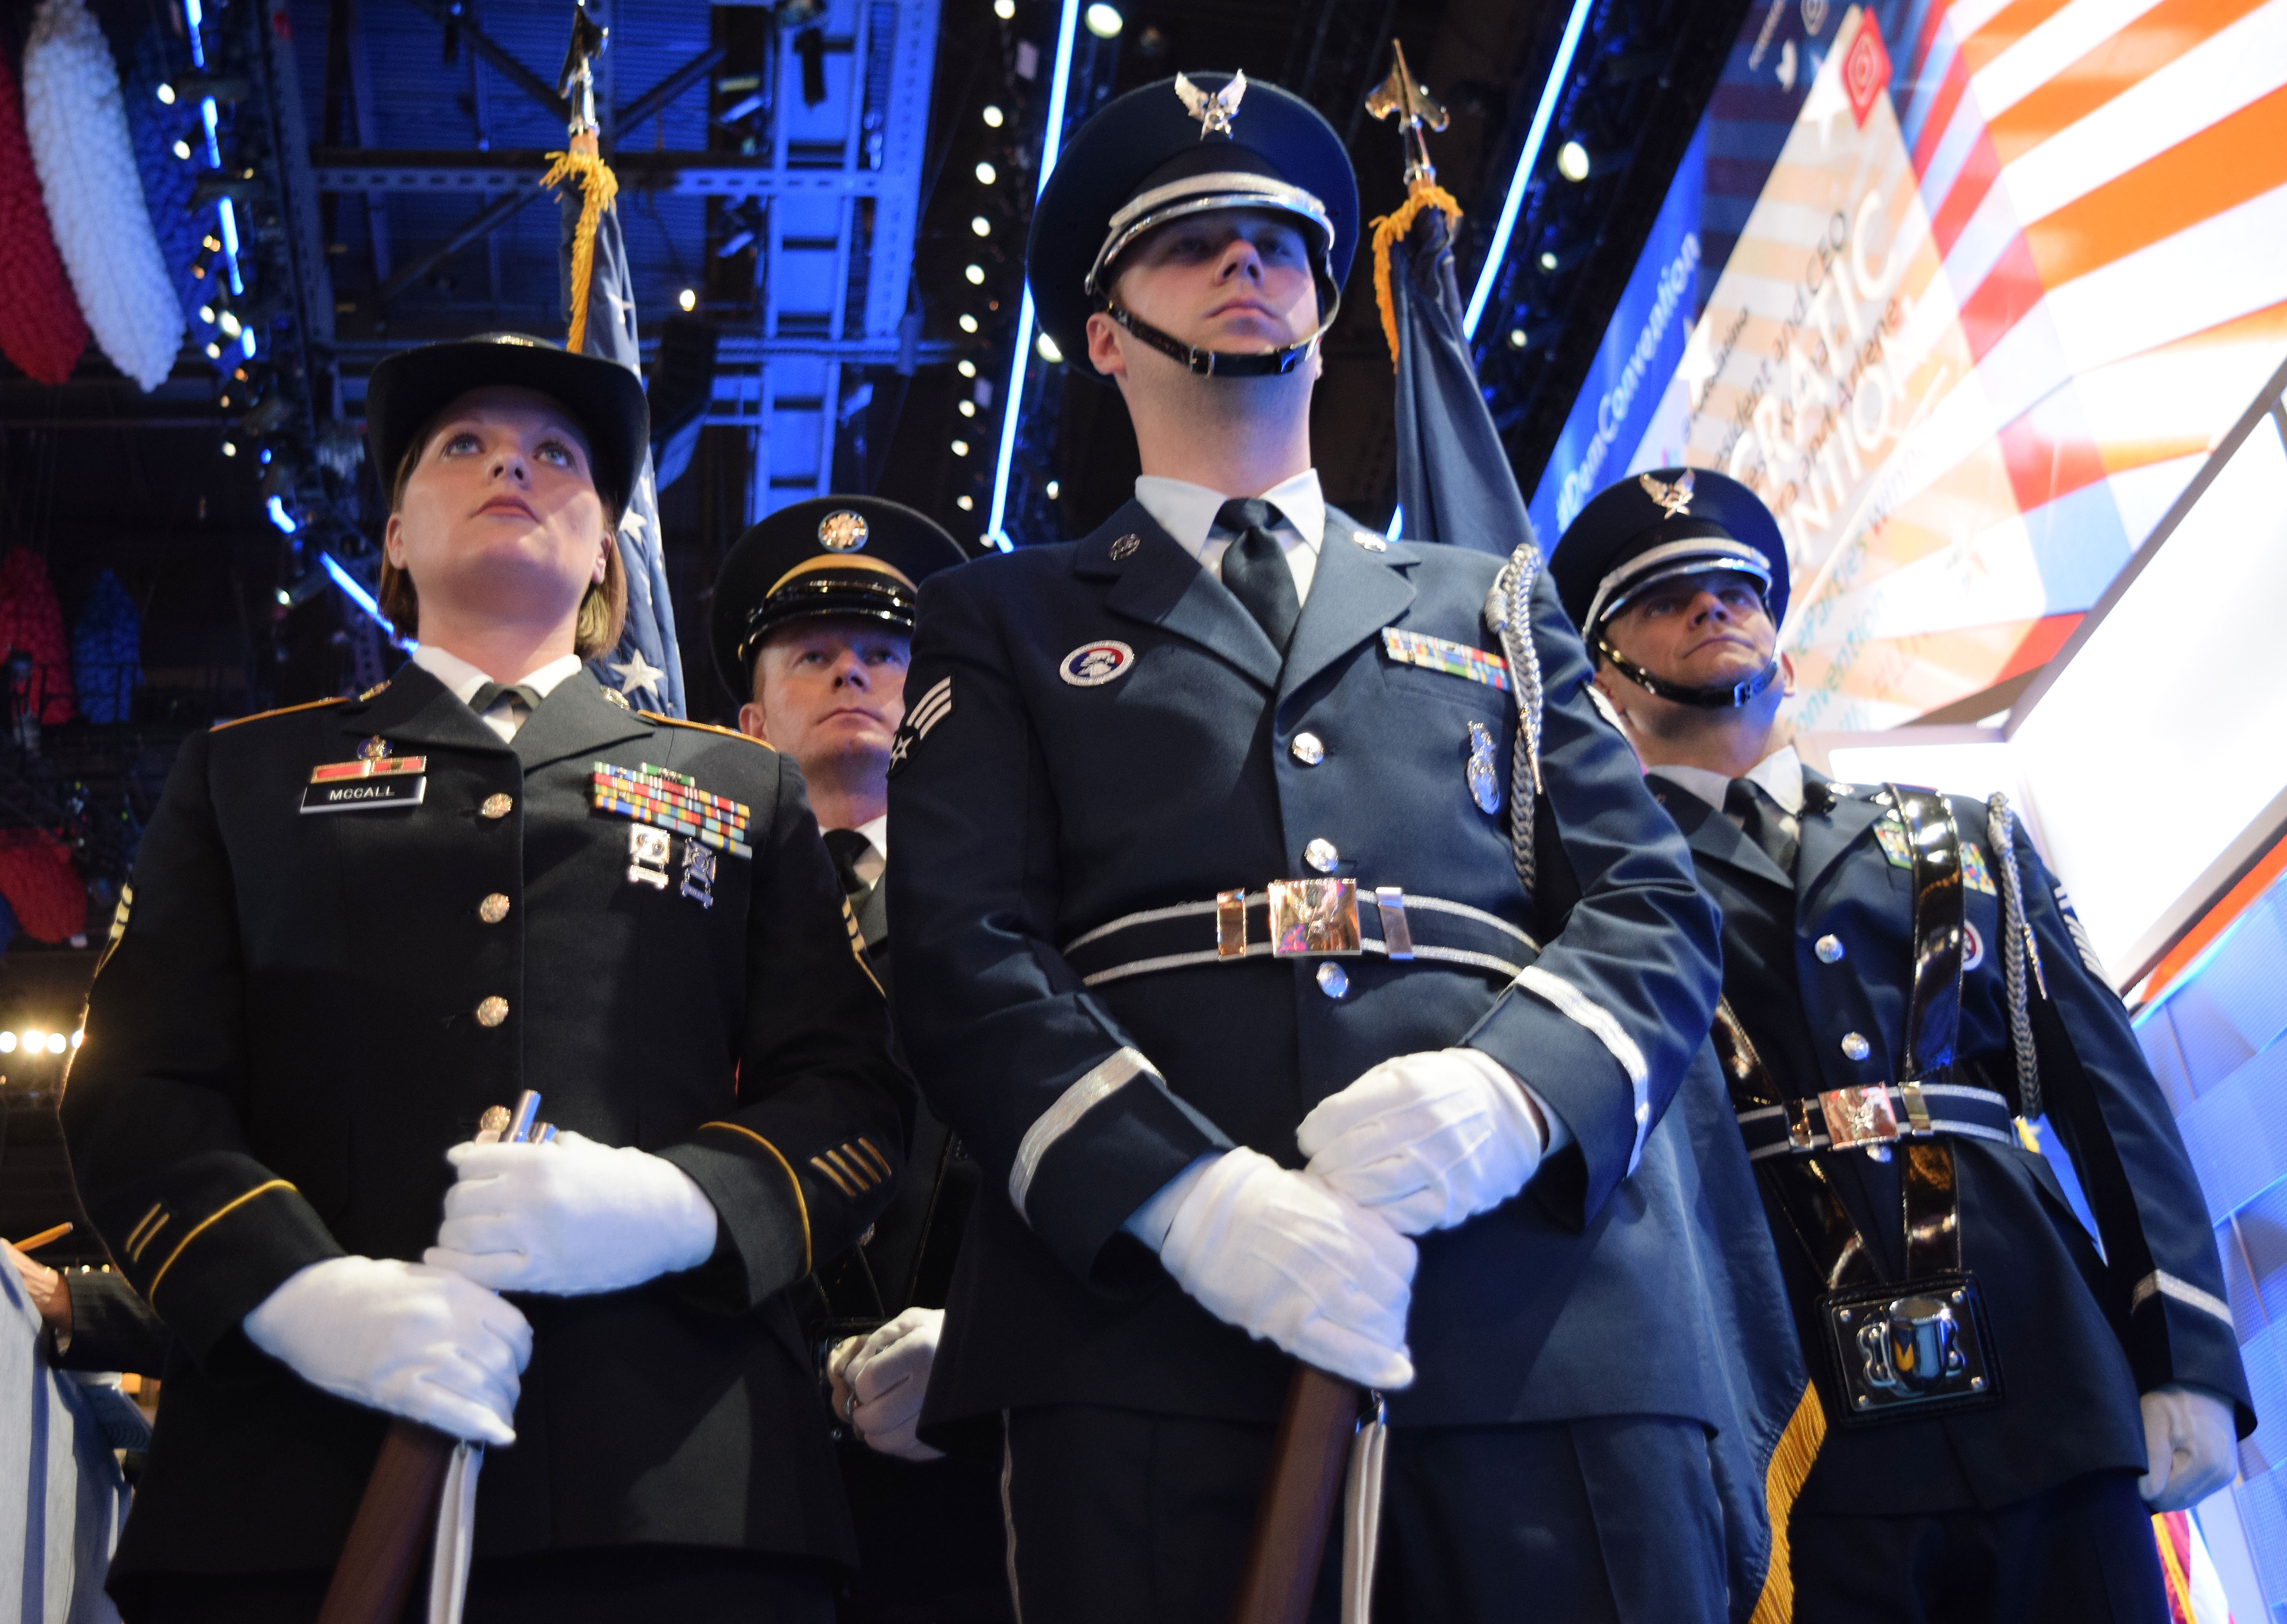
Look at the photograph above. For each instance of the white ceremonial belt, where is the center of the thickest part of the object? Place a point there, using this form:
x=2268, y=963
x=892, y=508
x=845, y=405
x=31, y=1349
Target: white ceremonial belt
x=1301, y=919
x=1850, y=1118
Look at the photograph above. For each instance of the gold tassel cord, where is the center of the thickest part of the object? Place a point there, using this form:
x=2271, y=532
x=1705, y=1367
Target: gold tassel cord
x=598, y=188
x=1791, y=1459
x=1391, y=230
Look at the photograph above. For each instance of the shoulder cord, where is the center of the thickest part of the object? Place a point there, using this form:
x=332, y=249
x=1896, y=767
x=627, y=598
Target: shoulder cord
x=1510, y=610
x=2017, y=946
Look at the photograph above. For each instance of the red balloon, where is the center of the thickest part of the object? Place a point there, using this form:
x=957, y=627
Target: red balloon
x=41, y=329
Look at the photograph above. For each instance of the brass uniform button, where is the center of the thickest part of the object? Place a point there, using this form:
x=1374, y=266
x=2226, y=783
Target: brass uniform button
x=1321, y=855
x=494, y=908
x=1854, y=1046
x=498, y=806
x=492, y=1012
x=1828, y=950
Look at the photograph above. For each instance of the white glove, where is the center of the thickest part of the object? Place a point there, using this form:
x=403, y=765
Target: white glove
x=1426, y=1140
x=569, y=1217
x=879, y=1382
x=2192, y=1443
x=403, y=1338
x=1283, y=1258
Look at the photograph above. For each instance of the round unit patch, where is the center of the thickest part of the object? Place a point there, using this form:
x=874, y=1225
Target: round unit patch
x=1973, y=947
x=1093, y=663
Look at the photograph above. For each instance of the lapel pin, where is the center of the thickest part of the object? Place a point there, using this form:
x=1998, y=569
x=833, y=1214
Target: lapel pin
x=1092, y=665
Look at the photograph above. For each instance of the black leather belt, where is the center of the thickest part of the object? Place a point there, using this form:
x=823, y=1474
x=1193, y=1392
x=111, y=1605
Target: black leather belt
x=1920, y=1345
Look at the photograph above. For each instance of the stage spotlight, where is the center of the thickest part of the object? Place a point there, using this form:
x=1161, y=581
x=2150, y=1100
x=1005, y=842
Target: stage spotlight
x=1104, y=21
x=166, y=94
x=975, y=275
x=1004, y=9
x=1054, y=489
x=969, y=408
x=1547, y=260
x=982, y=227
x=986, y=174
x=992, y=117
x=960, y=448
x=968, y=322
x=964, y=503
x=688, y=298
x=1572, y=161
x=1047, y=351
x=183, y=150
x=966, y=368
x=1516, y=338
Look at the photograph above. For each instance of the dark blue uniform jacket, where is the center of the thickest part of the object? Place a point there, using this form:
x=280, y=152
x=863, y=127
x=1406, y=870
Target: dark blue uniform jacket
x=1034, y=809
x=2079, y=1334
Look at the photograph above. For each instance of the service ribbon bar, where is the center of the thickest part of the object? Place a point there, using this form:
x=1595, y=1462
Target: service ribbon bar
x=1442, y=654
x=672, y=801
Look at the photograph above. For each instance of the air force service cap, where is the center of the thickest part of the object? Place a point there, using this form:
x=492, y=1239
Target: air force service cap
x=1651, y=527
x=602, y=398
x=845, y=556
x=1183, y=147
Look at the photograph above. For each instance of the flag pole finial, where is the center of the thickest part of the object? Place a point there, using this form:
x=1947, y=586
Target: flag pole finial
x=1410, y=100
x=582, y=160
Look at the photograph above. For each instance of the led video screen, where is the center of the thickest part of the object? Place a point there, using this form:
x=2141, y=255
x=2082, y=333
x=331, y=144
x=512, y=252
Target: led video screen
x=1966, y=293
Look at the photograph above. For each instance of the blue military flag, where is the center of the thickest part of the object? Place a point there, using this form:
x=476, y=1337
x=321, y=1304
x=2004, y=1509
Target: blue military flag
x=1453, y=477
x=647, y=665
x=1455, y=486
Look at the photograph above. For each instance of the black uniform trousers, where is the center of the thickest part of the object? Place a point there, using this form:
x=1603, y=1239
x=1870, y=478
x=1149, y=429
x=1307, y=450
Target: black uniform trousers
x=650, y=1582
x=2083, y=1553
x=1119, y=1517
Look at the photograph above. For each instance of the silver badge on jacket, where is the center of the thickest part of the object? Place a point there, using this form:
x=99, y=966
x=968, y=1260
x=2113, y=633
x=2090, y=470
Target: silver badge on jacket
x=1485, y=774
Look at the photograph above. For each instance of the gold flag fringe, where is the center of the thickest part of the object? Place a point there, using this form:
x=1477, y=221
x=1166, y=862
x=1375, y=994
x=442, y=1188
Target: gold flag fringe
x=599, y=188
x=1389, y=231
x=1791, y=1459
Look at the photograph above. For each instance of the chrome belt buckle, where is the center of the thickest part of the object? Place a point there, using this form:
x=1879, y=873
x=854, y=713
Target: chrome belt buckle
x=1231, y=924
x=1911, y=1348
x=1314, y=918
x=1856, y=1116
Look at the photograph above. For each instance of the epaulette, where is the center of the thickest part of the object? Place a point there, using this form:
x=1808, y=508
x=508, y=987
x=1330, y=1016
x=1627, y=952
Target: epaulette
x=706, y=727
x=283, y=709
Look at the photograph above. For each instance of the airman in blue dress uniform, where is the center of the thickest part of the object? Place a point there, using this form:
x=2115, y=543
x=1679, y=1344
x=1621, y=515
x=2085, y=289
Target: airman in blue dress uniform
x=1216, y=949
x=1905, y=989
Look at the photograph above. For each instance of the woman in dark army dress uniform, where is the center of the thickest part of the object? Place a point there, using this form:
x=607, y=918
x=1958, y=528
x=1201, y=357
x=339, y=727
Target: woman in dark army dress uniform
x=353, y=927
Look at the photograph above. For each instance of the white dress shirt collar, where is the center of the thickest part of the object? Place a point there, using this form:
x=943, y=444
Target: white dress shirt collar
x=1779, y=773
x=464, y=678
x=1187, y=512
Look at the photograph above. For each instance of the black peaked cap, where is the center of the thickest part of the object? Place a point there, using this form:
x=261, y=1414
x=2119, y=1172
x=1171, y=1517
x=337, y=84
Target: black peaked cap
x=848, y=556
x=1669, y=521
x=1273, y=133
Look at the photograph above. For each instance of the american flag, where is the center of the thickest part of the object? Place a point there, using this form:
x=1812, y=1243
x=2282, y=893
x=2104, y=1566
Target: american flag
x=647, y=665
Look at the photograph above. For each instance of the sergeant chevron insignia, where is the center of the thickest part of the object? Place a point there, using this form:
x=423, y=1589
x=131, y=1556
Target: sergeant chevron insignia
x=931, y=708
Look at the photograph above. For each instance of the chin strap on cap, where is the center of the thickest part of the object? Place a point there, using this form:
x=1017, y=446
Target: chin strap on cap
x=1222, y=363
x=1723, y=696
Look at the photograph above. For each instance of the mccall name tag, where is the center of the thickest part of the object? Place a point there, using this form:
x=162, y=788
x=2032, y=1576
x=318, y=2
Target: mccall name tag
x=361, y=794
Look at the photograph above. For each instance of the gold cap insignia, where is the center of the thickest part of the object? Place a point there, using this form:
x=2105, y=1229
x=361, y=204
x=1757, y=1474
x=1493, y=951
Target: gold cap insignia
x=1676, y=498
x=843, y=532
x=373, y=749
x=1216, y=112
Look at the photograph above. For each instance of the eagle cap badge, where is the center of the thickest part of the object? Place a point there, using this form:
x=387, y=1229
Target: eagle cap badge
x=1216, y=112
x=1675, y=499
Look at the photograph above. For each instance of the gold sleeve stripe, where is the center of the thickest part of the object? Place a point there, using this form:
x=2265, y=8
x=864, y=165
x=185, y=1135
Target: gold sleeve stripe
x=140, y=1235
x=201, y=1227
x=801, y=1206
x=284, y=710
x=835, y=1176
x=847, y=1159
x=881, y=1162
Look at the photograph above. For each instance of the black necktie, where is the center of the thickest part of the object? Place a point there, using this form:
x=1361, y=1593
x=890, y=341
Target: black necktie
x=1255, y=568
x=1762, y=820
x=493, y=693
x=848, y=848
